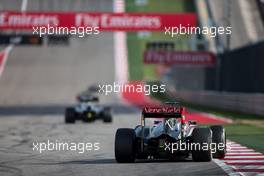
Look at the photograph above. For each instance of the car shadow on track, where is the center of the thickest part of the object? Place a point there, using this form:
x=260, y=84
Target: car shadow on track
x=111, y=161
x=97, y=161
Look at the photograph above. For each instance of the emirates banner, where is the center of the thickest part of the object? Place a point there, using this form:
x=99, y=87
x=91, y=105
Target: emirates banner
x=104, y=21
x=179, y=58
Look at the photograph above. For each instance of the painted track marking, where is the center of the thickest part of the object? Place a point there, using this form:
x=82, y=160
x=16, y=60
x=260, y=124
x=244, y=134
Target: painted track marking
x=241, y=160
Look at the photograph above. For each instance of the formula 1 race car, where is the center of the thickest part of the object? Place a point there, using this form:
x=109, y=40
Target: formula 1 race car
x=170, y=137
x=88, y=110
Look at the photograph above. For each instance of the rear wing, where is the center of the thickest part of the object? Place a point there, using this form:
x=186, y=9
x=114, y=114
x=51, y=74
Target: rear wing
x=162, y=112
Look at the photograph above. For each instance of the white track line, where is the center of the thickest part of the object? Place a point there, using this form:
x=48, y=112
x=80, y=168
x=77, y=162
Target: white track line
x=237, y=146
x=241, y=150
x=238, y=156
x=24, y=5
x=241, y=153
x=251, y=174
x=243, y=161
x=5, y=53
x=11, y=46
x=248, y=167
x=120, y=47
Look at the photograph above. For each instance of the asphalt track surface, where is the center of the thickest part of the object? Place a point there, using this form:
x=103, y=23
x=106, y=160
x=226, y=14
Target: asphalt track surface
x=36, y=86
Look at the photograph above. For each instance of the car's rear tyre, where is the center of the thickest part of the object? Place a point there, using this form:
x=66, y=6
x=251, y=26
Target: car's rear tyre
x=219, y=138
x=125, y=145
x=69, y=115
x=201, y=137
x=107, y=117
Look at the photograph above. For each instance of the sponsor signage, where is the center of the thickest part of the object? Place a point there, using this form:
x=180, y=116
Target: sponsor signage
x=161, y=110
x=179, y=58
x=104, y=21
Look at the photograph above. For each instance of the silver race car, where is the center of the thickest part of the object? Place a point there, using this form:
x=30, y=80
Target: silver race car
x=88, y=110
x=169, y=137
